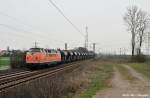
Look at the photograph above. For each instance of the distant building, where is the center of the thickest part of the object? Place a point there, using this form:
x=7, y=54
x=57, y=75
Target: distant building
x=3, y=52
x=6, y=52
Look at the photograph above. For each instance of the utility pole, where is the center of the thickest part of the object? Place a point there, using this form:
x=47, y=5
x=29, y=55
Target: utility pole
x=124, y=51
x=35, y=44
x=66, y=46
x=94, y=47
x=120, y=51
x=86, y=38
x=8, y=49
x=148, y=47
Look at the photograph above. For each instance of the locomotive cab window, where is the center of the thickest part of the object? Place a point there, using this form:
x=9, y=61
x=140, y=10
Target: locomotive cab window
x=49, y=51
x=53, y=51
x=44, y=51
x=35, y=50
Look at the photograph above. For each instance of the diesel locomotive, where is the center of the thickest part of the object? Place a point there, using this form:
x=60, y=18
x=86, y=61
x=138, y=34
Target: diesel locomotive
x=40, y=57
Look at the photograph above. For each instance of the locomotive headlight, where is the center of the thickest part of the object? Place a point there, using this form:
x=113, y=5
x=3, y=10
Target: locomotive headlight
x=27, y=58
x=36, y=58
x=28, y=53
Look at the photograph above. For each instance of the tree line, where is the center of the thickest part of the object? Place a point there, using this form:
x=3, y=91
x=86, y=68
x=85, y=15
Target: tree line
x=138, y=24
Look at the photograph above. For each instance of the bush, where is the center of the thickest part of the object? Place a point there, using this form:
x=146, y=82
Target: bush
x=18, y=59
x=138, y=58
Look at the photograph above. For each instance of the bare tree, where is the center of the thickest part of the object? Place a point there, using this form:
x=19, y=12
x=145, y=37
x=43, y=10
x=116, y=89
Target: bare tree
x=143, y=25
x=137, y=22
x=130, y=19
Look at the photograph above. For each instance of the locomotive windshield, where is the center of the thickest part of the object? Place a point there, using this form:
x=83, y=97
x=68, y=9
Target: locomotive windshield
x=34, y=50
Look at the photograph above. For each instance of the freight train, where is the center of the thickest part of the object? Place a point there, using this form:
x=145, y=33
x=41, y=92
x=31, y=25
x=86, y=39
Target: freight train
x=40, y=58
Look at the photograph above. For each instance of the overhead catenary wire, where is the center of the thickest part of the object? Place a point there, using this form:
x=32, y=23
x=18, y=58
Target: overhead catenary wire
x=16, y=29
x=25, y=31
x=23, y=34
x=61, y=12
x=30, y=35
x=25, y=24
x=14, y=18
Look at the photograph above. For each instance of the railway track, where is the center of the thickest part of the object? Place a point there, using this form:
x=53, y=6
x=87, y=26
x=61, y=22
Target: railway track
x=11, y=80
x=12, y=74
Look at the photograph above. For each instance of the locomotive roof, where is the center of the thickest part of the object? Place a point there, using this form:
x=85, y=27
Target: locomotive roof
x=36, y=48
x=43, y=48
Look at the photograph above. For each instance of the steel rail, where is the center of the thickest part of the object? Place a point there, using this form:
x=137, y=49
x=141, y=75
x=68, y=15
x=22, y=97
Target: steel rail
x=13, y=81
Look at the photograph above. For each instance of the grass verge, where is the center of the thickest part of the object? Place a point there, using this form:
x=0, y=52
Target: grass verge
x=142, y=68
x=98, y=76
x=125, y=72
x=4, y=63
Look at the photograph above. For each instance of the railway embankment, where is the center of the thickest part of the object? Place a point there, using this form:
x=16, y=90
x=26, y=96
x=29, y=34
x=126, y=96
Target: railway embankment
x=82, y=82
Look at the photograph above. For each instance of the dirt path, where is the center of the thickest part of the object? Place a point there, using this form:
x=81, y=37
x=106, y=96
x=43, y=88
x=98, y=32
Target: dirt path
x=139, y=88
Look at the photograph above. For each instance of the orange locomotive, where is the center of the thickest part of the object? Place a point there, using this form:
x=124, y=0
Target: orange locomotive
x=42, y=56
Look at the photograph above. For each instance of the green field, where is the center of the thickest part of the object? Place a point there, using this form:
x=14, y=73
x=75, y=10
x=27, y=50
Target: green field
x=142, y=68
x=4, y=62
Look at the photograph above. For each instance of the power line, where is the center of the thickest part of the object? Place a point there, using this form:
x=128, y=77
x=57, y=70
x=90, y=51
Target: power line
x=31, y=35
x=15, y=29
x=61, y=12
x=14, y=18
x=21, y=22
x=20, y=34
x=25, y=31
x=25, y=24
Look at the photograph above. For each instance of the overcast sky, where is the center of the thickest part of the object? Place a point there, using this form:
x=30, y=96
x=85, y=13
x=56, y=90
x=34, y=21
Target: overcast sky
x=22, y=22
